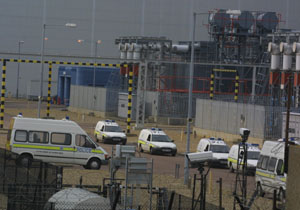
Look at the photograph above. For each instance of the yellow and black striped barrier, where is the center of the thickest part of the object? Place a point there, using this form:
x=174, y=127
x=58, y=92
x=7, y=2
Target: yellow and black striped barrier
x=5, y=60
x=225, y=70
x=3, y=93
x=212, y=78
x=236, y=85
x=65, y=63
x=49, y=89
x=130, y=88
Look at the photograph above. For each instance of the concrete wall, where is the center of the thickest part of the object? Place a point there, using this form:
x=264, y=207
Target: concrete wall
x=229, y=117
x=293, y=180
x=83, y=97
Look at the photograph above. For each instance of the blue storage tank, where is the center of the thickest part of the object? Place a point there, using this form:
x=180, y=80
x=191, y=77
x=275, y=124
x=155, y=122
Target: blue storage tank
x=68, y=75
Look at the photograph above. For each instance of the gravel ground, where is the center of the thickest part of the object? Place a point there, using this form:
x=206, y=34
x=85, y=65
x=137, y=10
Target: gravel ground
x=164, y=166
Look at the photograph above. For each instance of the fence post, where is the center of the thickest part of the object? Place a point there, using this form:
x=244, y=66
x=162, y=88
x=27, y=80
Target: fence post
x=171, y=200
x=4, y=168
x=220, y=193
x=179, y=201
x=193, y=196
x=274, y=200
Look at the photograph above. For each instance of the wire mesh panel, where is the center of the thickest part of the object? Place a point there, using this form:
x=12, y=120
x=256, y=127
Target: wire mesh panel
x=25, y=187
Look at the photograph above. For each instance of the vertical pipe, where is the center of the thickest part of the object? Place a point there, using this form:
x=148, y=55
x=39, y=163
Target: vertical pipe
x=236, y=90
x=42, y=71
x=253, y=84
x=93, y=27
x=18, y=71
x=94, y=77
x=189, y=120
x=3, y=93
x=130, y=88
x=286, y=149
x=49, y=88
x=212, y=78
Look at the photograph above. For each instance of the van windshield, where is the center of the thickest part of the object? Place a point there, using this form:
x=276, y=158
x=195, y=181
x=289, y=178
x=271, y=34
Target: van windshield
x=112, y=129
x=219, y=148
x=253, y=155
x=161, y=138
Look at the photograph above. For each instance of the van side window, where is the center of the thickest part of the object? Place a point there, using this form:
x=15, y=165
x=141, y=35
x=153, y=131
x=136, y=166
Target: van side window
x=264, y=163
x=259, y=162
x=272, y=164
x=149, y=138
x=82, y=141
x=61, y=138
x=21, y=136
x=38, y=137
x=279, y=169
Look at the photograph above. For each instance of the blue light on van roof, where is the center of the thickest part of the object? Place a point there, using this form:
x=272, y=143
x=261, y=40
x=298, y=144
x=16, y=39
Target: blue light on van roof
x=211, y=138
x=67, y=117
x=159, y=129
x=112, y=121
x=292, y=139
x=220, y=139
x=153, y=129
x=106, y=120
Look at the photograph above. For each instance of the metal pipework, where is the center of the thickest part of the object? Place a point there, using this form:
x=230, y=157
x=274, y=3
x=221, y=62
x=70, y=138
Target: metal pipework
x=275, y=55
x=287, y=51
x=296, y=49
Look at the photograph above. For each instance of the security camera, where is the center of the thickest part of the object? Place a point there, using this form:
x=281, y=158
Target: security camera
x=244, y=132
x=198, y=159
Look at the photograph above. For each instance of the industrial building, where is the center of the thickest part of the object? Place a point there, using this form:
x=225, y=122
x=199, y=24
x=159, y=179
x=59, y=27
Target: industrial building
x=232, y=53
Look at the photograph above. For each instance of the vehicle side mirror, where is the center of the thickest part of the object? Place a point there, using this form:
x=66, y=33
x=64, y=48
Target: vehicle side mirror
x=172, y=140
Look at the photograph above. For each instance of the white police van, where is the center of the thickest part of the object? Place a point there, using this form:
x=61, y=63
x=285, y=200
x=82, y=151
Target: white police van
x=155, y=140
x=270, y=174
x=253, y=153
x=108, y=131
x=218, y=148
x=53, y=141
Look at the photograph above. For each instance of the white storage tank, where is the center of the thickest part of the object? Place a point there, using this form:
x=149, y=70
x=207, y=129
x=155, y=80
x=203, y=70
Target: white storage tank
x=275, y=56
x=286, y=49
x=296, y=49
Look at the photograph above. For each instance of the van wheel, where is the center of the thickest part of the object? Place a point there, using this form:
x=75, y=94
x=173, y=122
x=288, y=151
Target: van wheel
x=281, y=194
x=231, y=169
x=259, y=189
x=140, y=148
x=174, y=154
x=94, y=163
x=25, y=160
x=97, y=140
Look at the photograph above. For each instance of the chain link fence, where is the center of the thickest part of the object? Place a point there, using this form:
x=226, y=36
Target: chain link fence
x=25, y=187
